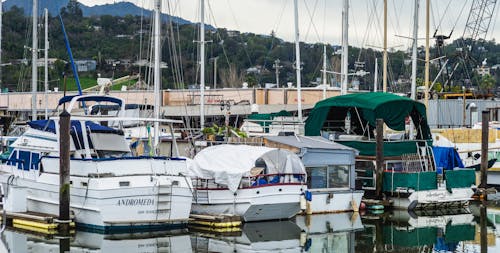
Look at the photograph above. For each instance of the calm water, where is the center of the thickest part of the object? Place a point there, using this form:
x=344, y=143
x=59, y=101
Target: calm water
x=446, y=231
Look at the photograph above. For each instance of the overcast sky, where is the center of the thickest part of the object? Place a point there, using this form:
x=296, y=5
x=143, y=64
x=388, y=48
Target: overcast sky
x=321, y=20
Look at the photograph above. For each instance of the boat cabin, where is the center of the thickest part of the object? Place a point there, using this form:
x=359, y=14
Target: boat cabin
x=330, y=168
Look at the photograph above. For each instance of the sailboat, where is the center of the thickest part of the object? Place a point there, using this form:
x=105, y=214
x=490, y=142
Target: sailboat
x=110, y=188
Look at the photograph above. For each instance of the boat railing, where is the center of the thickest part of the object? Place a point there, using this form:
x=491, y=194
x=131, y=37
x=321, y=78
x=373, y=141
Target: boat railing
x=253, y=181
x=256, y=127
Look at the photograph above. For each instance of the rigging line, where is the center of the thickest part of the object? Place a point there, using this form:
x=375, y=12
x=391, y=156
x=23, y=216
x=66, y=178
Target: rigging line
x=140, y=43
x=246, y=110
x=354, y=23
x=238, y=27
x=324, y=21
x=280, y=16
x=311, y=23
x=177, y=78
x=371, y=13
x=442, y=15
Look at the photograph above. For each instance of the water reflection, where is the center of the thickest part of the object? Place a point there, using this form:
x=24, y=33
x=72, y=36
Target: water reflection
x=396, y=231
x=276, y=236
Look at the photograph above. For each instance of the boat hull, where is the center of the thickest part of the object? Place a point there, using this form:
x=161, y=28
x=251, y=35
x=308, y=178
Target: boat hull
x=273, y=202
x=334, y=201
x=103, y=204
x=432, y=199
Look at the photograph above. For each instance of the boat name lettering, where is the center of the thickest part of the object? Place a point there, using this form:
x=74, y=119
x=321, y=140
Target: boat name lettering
x=136, y=202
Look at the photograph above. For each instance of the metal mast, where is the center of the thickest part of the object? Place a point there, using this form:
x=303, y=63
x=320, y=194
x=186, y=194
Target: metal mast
x=345, y=47
x=297, y=61
x=414, y=51
x=427, y=52
x=202, y=63
x=384, y=61
x=157, y=73
x=34, y=60
x=324, y=71
x=46, y=63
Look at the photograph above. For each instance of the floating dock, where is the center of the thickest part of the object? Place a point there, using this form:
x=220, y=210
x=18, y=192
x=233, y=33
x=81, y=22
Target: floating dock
x=39, y=223
x=215, y=223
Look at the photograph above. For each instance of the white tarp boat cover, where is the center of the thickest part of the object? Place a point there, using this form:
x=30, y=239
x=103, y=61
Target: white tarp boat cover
x=227, y=163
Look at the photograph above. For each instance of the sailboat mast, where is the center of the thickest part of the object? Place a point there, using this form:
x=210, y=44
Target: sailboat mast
x=157, y=74
x=297, y=61
x=324, y=71
x=46, y=65
x=34, y=60
x=375, y=79
x=1, y=13
x=427, y=53
x=384, y=63
x=202, y=64
x=345, y=47
x=414, y=52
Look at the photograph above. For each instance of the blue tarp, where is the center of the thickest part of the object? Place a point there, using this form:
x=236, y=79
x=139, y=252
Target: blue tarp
x=447, y=158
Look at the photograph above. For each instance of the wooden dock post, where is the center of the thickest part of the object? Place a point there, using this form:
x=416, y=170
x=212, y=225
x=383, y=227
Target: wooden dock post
x=484, y=148
x=379, y=158
x=64, y=182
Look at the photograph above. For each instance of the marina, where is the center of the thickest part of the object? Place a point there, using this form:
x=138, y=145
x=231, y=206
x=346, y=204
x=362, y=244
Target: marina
x=129, y=147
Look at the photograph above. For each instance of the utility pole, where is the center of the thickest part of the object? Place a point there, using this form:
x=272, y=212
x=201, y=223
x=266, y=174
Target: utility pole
x=277, y=68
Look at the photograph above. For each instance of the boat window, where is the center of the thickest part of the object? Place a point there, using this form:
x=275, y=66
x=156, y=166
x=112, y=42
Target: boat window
x=317, y=177
x=338, y=176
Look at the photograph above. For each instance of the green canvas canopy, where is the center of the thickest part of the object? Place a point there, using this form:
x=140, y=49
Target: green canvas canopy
x=366, y=108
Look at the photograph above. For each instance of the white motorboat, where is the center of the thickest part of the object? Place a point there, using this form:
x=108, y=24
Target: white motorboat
x=110, y=188
x=256, y=183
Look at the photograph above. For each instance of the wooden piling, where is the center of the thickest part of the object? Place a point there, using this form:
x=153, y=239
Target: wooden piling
x=64, y=181
x=484, y=148
x=483, y=228
x=379, y=158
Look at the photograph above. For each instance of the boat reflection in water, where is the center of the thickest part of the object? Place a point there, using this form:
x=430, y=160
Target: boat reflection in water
x=177, y=241
x=402, y=231
x=273, y=236
x=330, y=232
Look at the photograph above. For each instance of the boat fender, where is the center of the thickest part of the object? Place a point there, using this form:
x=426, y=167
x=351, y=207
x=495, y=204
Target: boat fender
x=308, y=195
x=412, y=205
x=302, y=202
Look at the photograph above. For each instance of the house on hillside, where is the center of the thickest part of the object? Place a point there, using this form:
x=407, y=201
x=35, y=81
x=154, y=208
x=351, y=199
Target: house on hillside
x=85, y=65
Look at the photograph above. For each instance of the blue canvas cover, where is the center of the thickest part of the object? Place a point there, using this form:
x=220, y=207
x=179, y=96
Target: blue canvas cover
x=447, y=158
x=49, y=126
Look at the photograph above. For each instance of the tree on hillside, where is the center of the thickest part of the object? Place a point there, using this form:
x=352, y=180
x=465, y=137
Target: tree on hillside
x=487, y=83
